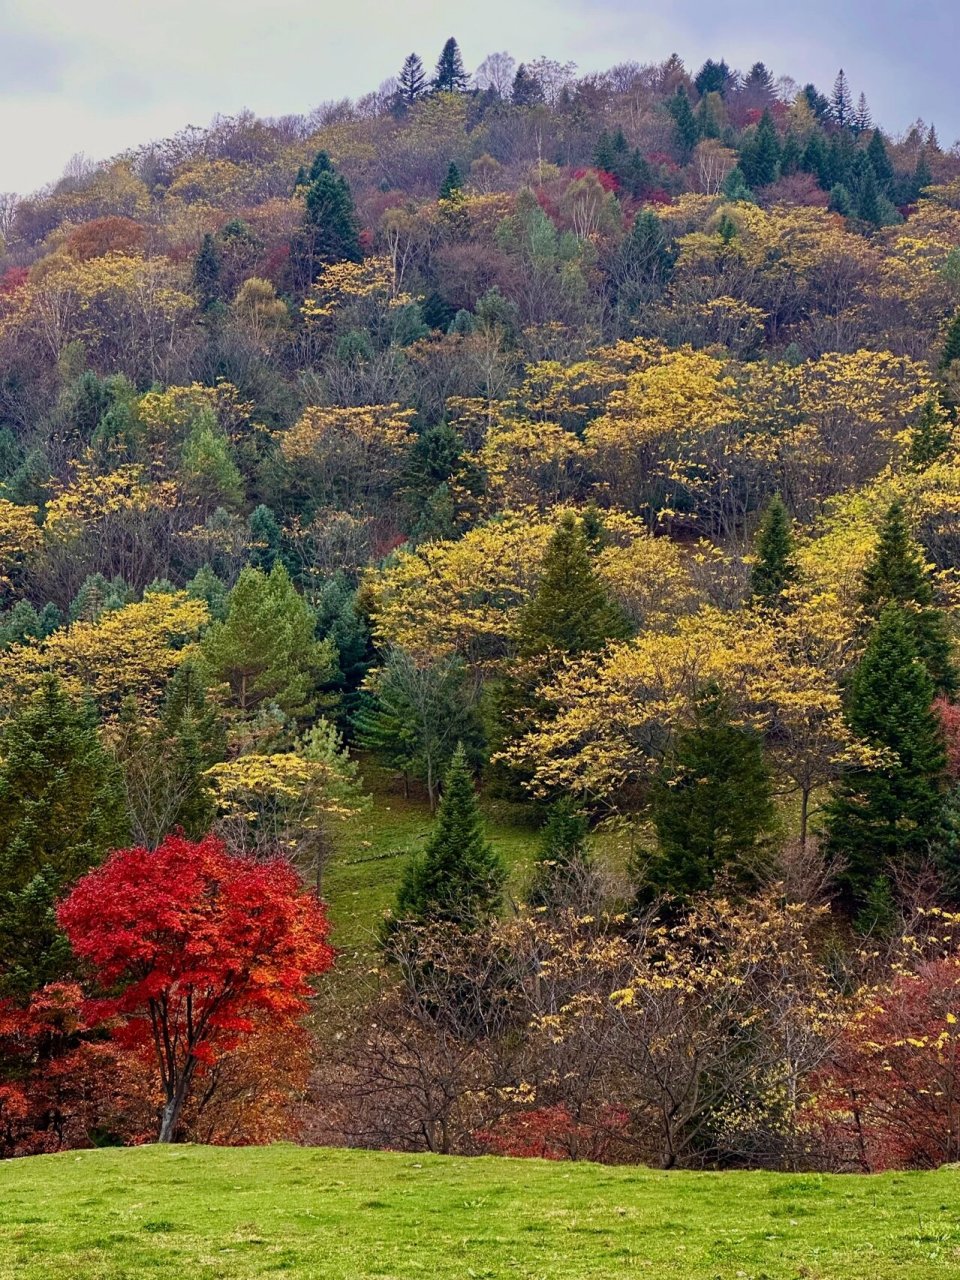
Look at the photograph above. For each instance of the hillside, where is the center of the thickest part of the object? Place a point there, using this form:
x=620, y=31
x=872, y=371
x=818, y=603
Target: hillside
x=104, y=1215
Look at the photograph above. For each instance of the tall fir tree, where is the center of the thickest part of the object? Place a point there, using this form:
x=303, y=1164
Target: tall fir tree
x=206, y=273
x=773, y=568
x=841, y=101
x=712, y=805
x=412, y=80
x=450, y=76
x=760, y=156
x=452, y=185
x=713, y=77
x=527, y=91
x=931, y=437
x=459, y=878
x=897, y=574
x=686, y=131
x=331, y=231
x=889, y=817
x=880, y=161
x=563, y=858
x=61, y=811
x=869, y=203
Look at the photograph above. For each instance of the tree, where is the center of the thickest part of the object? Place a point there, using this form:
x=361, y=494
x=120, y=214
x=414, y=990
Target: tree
x=897, y=574
x=887, y=817
x=332, y=231
x=711, y=805
x=194, y=947
x=459, y=878
x=563, y=859
x=760, y=156
x=452, y=186
x=206, y=273
x=61, y=810
x=686, y=131
x=527, y=90
x=880, y=161
x=773, y=568
x=862, y=119
x=265, y=650
x=869, y=201
x=713, y=77
x=412, y=80
x=450, y=76
x=931, y=436
x=841, y=101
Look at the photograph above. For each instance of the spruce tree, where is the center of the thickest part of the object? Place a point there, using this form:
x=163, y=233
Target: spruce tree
x=412, y=80
x=331, y=230
x=862, y=120
x=450, y=77
x=206, y=273
x=880, y=161
x=452, y=185
x=563, y=857
x=61, y=811
x=735, y=187
x=841, y=101
x=686, y=131
x=931, y=437
x=951, y=345
x=760, y=156
x=712, y=77
x=888, y=817
x=869, y=204
x=265, y=538
x=527, y=90
x=711, y=805
x=773, y=568
x=897, y=574
x=459, y=878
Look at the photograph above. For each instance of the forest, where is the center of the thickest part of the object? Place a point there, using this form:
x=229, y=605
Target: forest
x=568, y=467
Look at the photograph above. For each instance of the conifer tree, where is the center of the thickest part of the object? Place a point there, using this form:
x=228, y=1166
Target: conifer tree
x=735, y=187
x=773, y=568
x=527, y=90
x=897, y=574
x=862, y=120
x=713, y=77
x=841, y=101
x=206, y=273
x=712, y=805
x=265, y=538
x=869, y=204
x=889, y=816
x=931, y=437
x=563, y=857
x=686, y=131
x=61, y=812
x=452, y=185
x=760, y=157
x=459, y=878
x=951, y=345
x=412, y=80
x=332, y=231
x=880, y=161
x=450, y=77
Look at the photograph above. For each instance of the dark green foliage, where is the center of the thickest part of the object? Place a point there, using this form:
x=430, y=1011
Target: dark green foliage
x=412, y=80
x=206, y=273
x=817, y=102
x=791, y=155
x=735, y=187
x=711, y=806
x=841, y=101
x=760, y=155
x=773, y=568
x=880, y=161
x=951, y=345
x=686, y=131
x=889, y=817
x=644, y=263
x=562, y=859
x=713, y=77
x=930, y=439
x=452, y=184
x=265, y=538
x=841, y=201
x=571, y=611
x=450, y=76
x=61, y=811
x=29, y=485
x=869, y=202
x=896, y=574
x=206, y=586
x=98, y=596
x=527, y=90
x=332, y=229
x=459, y=877
x=341, y=622
x=816, y=160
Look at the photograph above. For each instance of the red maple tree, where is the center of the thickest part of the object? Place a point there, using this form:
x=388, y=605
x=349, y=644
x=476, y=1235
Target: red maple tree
x=197, y=947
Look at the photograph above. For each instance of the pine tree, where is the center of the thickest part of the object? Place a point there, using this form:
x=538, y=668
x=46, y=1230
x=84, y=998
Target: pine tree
x=562, y=859
x=452, y=186
x=897, y=574
x=412, y=80
x=773, y=568
x=760, y=156
x=862, y=119
x=527, y=90
x=711, y=806
x=450, y=76
x=459, y=878
x=951, y=345
x=841, y=101
x=735, y=187
x=61, y=811
x=841, y=201
x=889, y=817
x=713, y=77
x=265, y=538
x=206, y=273
x=686, y=131
x=869, y=204
x=209, y=472
x=880, y=161
x=331, y=229
x=931, y=437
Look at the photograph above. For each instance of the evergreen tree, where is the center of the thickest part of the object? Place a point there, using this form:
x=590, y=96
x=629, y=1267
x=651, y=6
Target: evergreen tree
x=951, y=345
x=527, y=90
x=816, y=160
x=758, y=91
x=773, y=568
x=644, y=263
x=452, y=185
x=897, y=574
x=412, y=80
x=97, y=596
x=818, y=103
x=206, y=273
x=265, y=538
x=841, y=201
x=265, y=649
x=450, y=76
x=213, y=591
x=735, y=187
x=869, y=203
x=880, y=161
x=889, y=816
x=331, y=230
x=562, y=859
x=686, y=131
x=931, y=437
x=711, y=806
x=791, y=155
x=841, y=101
x=862, y=120
x=459, y=878
x=571, y=611
x=760, y=156
x=209, y=472
x=713, y=77
x=61, y=812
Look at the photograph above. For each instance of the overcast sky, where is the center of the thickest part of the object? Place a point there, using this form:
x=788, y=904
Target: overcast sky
x=100, y=75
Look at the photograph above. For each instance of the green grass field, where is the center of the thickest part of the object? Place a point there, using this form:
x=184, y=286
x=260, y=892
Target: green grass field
x=312, y=1214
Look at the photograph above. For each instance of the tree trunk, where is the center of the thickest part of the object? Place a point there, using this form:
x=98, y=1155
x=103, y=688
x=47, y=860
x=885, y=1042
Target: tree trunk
x=171, y=1119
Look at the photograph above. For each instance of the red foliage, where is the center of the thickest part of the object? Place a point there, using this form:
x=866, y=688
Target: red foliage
x=949, y=714
x=551, y=1133
x=200, y=947
x=607, y=180
x=99, y=236
x=13, y=278
x=891, y=1098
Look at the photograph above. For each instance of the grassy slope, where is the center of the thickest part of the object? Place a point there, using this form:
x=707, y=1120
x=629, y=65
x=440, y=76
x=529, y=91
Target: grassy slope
x=197, y=1212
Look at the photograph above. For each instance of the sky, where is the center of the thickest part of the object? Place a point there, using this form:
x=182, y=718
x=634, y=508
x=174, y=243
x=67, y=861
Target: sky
x=98, y=76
